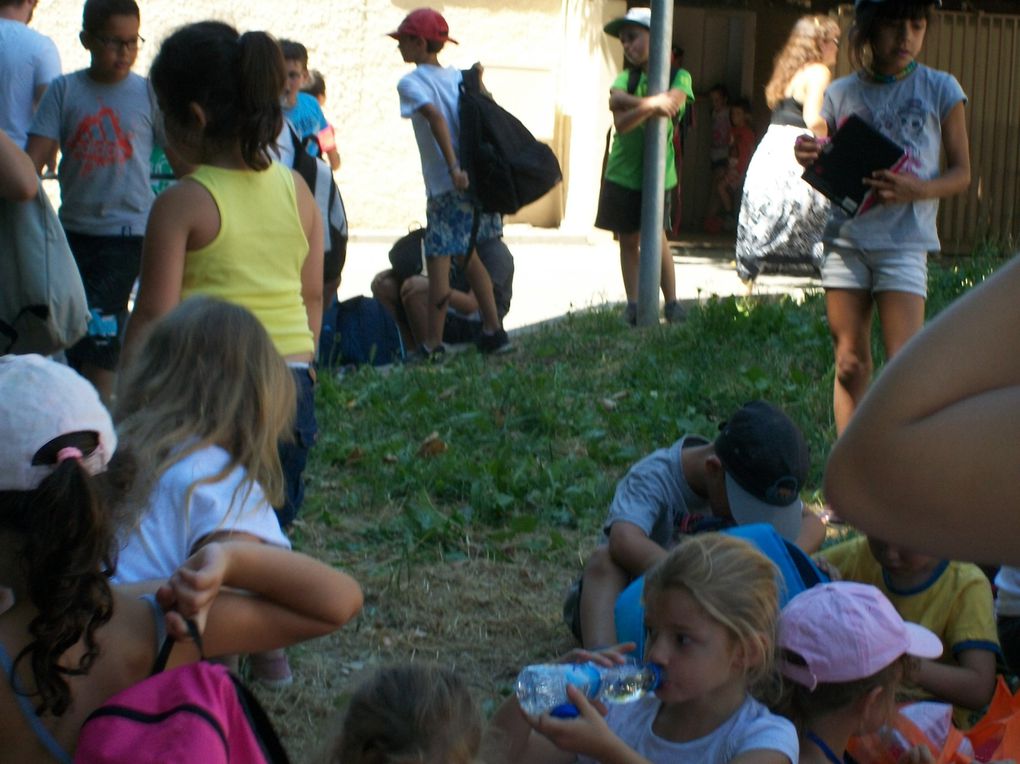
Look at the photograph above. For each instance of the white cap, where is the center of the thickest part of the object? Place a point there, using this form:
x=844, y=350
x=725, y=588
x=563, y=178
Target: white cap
x=641, y=17
x=41, y=400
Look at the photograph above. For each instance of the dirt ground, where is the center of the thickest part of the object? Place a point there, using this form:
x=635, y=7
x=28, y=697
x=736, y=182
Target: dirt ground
x=481, y=616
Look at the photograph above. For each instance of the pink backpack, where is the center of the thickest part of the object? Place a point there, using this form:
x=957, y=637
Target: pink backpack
x=199, y=713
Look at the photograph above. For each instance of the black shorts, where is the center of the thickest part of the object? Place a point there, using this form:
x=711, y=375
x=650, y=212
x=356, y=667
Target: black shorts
x=108, y=266
x=457, y=329
x=620, y=209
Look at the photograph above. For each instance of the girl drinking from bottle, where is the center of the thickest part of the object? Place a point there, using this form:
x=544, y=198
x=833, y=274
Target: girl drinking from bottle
x=879, y=257
x=711, y=608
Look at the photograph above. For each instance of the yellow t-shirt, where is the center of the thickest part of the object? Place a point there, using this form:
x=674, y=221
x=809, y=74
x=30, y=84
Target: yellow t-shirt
x=955, y=603
x=256, y=258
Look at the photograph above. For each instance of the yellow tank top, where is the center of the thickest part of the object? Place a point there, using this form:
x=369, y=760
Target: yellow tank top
x=256, y=258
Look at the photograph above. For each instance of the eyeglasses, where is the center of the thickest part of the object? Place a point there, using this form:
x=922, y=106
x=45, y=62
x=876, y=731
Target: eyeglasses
x=115, y=44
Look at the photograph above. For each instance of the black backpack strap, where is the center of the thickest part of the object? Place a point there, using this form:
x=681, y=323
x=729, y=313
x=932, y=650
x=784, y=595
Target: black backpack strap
x=633, y=78
x=272, y=748
x=168, y=644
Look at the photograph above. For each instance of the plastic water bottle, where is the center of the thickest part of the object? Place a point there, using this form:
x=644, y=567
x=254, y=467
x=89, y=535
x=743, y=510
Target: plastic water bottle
x=543, y=687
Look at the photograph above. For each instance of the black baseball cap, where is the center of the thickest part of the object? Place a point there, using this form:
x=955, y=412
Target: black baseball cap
x=766, y=461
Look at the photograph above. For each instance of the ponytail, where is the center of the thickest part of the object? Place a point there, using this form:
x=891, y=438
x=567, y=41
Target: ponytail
x=67, y=535
x=261, y=79
x=236, y=80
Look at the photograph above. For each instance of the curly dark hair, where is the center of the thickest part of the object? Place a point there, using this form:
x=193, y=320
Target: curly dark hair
x=67, y=553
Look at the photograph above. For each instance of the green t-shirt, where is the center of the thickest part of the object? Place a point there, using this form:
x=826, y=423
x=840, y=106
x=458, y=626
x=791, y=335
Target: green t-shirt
x=627, y=154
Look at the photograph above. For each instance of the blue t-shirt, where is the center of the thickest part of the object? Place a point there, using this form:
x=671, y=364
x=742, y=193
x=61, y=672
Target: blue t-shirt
x=910, y=113
x=307, y=119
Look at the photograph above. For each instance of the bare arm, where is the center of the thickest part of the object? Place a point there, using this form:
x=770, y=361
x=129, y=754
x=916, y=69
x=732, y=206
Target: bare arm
x=816, y=79
x=311, y=270
x=41, y=150
x=931, y=451
x=293, y=598
x=334, y=159
x=168, y=236
x=894, y=188
x=19, y=181
x=631, y=549
x=969, y=684
x=441, y=132
x=630, y=111
x=812, y=532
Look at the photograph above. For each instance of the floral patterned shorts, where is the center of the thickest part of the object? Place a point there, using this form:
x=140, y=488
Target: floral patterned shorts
x=449, y=217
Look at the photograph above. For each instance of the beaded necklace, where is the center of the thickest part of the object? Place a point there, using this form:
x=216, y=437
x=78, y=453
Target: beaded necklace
x=868, y=73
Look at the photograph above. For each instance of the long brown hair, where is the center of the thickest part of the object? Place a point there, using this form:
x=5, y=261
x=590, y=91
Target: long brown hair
x=803, y=47
x=207, y=375
x=236, y=79
x=65, y=530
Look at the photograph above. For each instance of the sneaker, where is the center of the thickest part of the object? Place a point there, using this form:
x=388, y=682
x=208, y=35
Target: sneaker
x=630, y=314
x=271, y=669
x=435, y=355
x=674, y=312
x=495, y=343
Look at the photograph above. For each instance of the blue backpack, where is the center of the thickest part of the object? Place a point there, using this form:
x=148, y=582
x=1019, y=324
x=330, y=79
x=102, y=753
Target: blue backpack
x=357, y=331
x=797, y=572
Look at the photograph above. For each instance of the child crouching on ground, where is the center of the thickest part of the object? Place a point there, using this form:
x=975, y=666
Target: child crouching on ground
x=752, y=473
x=711, y=609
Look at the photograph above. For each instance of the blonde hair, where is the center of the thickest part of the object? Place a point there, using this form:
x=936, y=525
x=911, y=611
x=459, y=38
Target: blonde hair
x=803, y=47
x=416, y=712
x=736, y=586
x=207, y=375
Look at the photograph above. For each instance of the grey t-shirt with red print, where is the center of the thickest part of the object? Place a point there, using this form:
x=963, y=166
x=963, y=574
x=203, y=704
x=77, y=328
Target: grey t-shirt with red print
x=106, y=134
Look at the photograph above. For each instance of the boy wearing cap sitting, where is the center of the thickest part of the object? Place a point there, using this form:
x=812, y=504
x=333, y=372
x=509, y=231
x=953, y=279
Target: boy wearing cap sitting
x=952, y=599
x=752, y=473
x=430, y=98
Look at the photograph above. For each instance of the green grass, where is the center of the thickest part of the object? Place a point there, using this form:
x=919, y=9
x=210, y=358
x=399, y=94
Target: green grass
x=533, y=443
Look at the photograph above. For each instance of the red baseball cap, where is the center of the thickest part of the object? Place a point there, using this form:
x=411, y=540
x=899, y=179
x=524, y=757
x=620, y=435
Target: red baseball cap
x=425, y=23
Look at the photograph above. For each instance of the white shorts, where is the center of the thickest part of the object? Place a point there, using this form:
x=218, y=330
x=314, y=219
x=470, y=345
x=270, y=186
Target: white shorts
x=875, y=270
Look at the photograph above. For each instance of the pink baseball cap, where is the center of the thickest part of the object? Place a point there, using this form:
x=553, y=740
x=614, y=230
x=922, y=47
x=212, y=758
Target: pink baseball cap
x=425, y=23
x=845, y=631
x=41, y=400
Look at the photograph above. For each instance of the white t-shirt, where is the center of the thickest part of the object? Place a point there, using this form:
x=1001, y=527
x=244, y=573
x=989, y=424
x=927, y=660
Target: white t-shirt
x=27, y=61
x=167, y=531
x=753, y=727
x=910, y=113
x=440, y=87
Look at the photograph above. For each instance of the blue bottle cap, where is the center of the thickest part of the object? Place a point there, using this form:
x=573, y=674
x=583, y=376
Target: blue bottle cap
x=656, y=670
x=565, y=711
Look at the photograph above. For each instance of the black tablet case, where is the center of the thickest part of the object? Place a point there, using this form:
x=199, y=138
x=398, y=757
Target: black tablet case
x=855, y=152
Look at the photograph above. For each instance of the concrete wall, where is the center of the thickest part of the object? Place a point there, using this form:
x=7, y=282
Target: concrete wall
x=546, y=60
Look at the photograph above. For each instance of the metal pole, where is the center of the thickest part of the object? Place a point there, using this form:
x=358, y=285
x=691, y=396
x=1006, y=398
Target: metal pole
x=654, y=178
